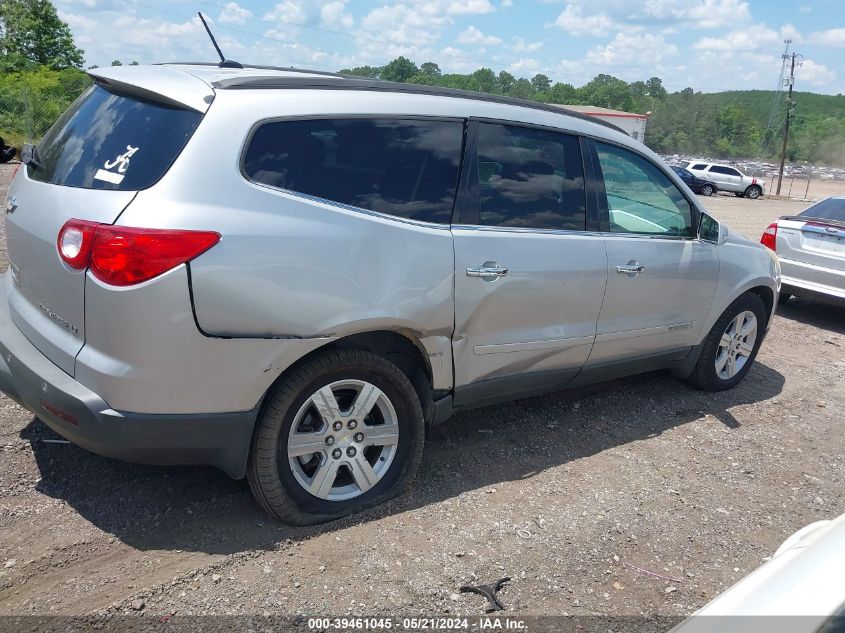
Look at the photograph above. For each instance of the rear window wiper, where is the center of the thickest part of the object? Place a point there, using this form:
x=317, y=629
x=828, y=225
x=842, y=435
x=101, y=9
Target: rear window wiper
x=29, y=155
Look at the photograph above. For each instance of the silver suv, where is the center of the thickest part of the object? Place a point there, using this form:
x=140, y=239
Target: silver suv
x=728, y=178
x=290, y=275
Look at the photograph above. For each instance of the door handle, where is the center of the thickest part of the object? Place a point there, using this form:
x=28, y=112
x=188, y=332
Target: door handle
x=632, y=268
x=490, y=271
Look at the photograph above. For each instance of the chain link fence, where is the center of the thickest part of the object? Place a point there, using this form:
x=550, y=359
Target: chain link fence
x=31, y=102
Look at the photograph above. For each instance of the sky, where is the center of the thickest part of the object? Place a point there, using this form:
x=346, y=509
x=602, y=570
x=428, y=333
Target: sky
x=709, y=45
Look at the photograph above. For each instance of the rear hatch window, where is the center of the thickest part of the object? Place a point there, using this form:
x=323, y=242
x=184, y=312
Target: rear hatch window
x=830, y=209
x=112, y=141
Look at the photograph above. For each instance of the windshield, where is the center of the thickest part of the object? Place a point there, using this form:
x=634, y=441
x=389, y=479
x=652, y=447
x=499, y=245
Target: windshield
x=111, y=141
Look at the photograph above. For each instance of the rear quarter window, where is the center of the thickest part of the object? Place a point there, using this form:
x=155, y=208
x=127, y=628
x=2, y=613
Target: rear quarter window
x=406, y=168
x=107, y=140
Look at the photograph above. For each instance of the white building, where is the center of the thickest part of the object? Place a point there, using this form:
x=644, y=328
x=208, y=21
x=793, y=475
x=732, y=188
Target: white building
x=633, y=124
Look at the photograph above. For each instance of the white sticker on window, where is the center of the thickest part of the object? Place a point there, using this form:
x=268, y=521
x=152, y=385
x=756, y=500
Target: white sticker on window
x=121, y=164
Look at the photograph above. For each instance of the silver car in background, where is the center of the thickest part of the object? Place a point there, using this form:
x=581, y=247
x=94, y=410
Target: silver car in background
x=811, y=248
x=290, y=275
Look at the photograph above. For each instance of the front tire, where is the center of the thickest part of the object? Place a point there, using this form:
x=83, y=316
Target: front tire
x=731, y=345
x=342, y=433
x=707, y=190
x=753, y=192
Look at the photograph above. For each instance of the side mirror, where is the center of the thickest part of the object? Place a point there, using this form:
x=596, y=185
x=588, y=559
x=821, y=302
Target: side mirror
x=711, y=230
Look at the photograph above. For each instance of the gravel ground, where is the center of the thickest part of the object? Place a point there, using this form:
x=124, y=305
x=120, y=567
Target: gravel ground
x=568, y=494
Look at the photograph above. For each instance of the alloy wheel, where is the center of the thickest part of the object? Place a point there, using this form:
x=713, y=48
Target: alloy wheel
x=736, y=345
x=342, y=440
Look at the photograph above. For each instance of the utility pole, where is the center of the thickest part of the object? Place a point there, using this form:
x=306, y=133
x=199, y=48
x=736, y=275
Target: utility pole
x=789, y=106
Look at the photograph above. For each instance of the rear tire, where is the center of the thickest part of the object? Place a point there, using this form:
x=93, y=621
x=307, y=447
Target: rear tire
x=728, y=351
x=753, y=192
x=707, y=190
x=299, y=475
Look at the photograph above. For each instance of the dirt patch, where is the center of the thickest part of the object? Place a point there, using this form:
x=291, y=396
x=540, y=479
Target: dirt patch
x=567, y=494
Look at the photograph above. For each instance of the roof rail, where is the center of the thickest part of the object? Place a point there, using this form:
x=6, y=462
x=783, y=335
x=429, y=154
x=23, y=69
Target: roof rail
x=288, y=69
x=336, y=81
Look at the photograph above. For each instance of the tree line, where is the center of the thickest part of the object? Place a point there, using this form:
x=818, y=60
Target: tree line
x=41, y=74
x=732, y=124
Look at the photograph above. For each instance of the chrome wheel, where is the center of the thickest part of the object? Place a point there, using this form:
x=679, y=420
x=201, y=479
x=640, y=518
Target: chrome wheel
x=753, y=192
x=736, y=345
x=707, y=190
x=343, y=440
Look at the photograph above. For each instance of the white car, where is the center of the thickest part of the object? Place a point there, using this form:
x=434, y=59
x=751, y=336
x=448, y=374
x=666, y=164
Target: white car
x=727, y=178
x=811, y=249
x=803, y=578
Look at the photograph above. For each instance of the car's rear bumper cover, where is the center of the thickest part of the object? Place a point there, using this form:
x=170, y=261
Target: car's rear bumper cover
x=802, y=278
x=83, y=417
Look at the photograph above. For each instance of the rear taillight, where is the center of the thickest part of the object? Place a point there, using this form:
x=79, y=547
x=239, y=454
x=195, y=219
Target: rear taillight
x=75, y=241
x=125, y=255
x=753, y=181
x=770, y=237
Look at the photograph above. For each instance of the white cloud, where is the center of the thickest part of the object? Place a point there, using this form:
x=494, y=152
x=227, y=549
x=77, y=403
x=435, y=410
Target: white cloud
x=573, y=21
x=330, y=14
x=816, y=74
x=830, y=37
x=526, y=66
x=597, y=17
x=472, y=35
x=713, y=14
x=470, y=6
x=748, y=40
x=233, y=13
x=521, y=46
x=400, y=23
x=625, y=49
x=741, y=40
x=334, y=14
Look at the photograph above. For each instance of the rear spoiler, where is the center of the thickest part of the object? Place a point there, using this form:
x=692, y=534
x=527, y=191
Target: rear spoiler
x=161, y=84
x=806, y=218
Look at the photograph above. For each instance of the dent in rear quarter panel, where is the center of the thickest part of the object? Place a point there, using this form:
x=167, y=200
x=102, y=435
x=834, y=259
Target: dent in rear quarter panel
x=291, y=266
x=144, y=354
x=306, y=268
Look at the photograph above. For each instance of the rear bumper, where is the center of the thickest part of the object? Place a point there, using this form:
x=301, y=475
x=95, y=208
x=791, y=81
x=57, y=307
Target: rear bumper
x=83, y=417
x=807, y=279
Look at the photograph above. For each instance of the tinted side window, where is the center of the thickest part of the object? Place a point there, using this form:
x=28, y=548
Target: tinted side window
x=640, y=197
x=699, y=166
x=402, y=167
x=530, y=178
x=724, y=170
